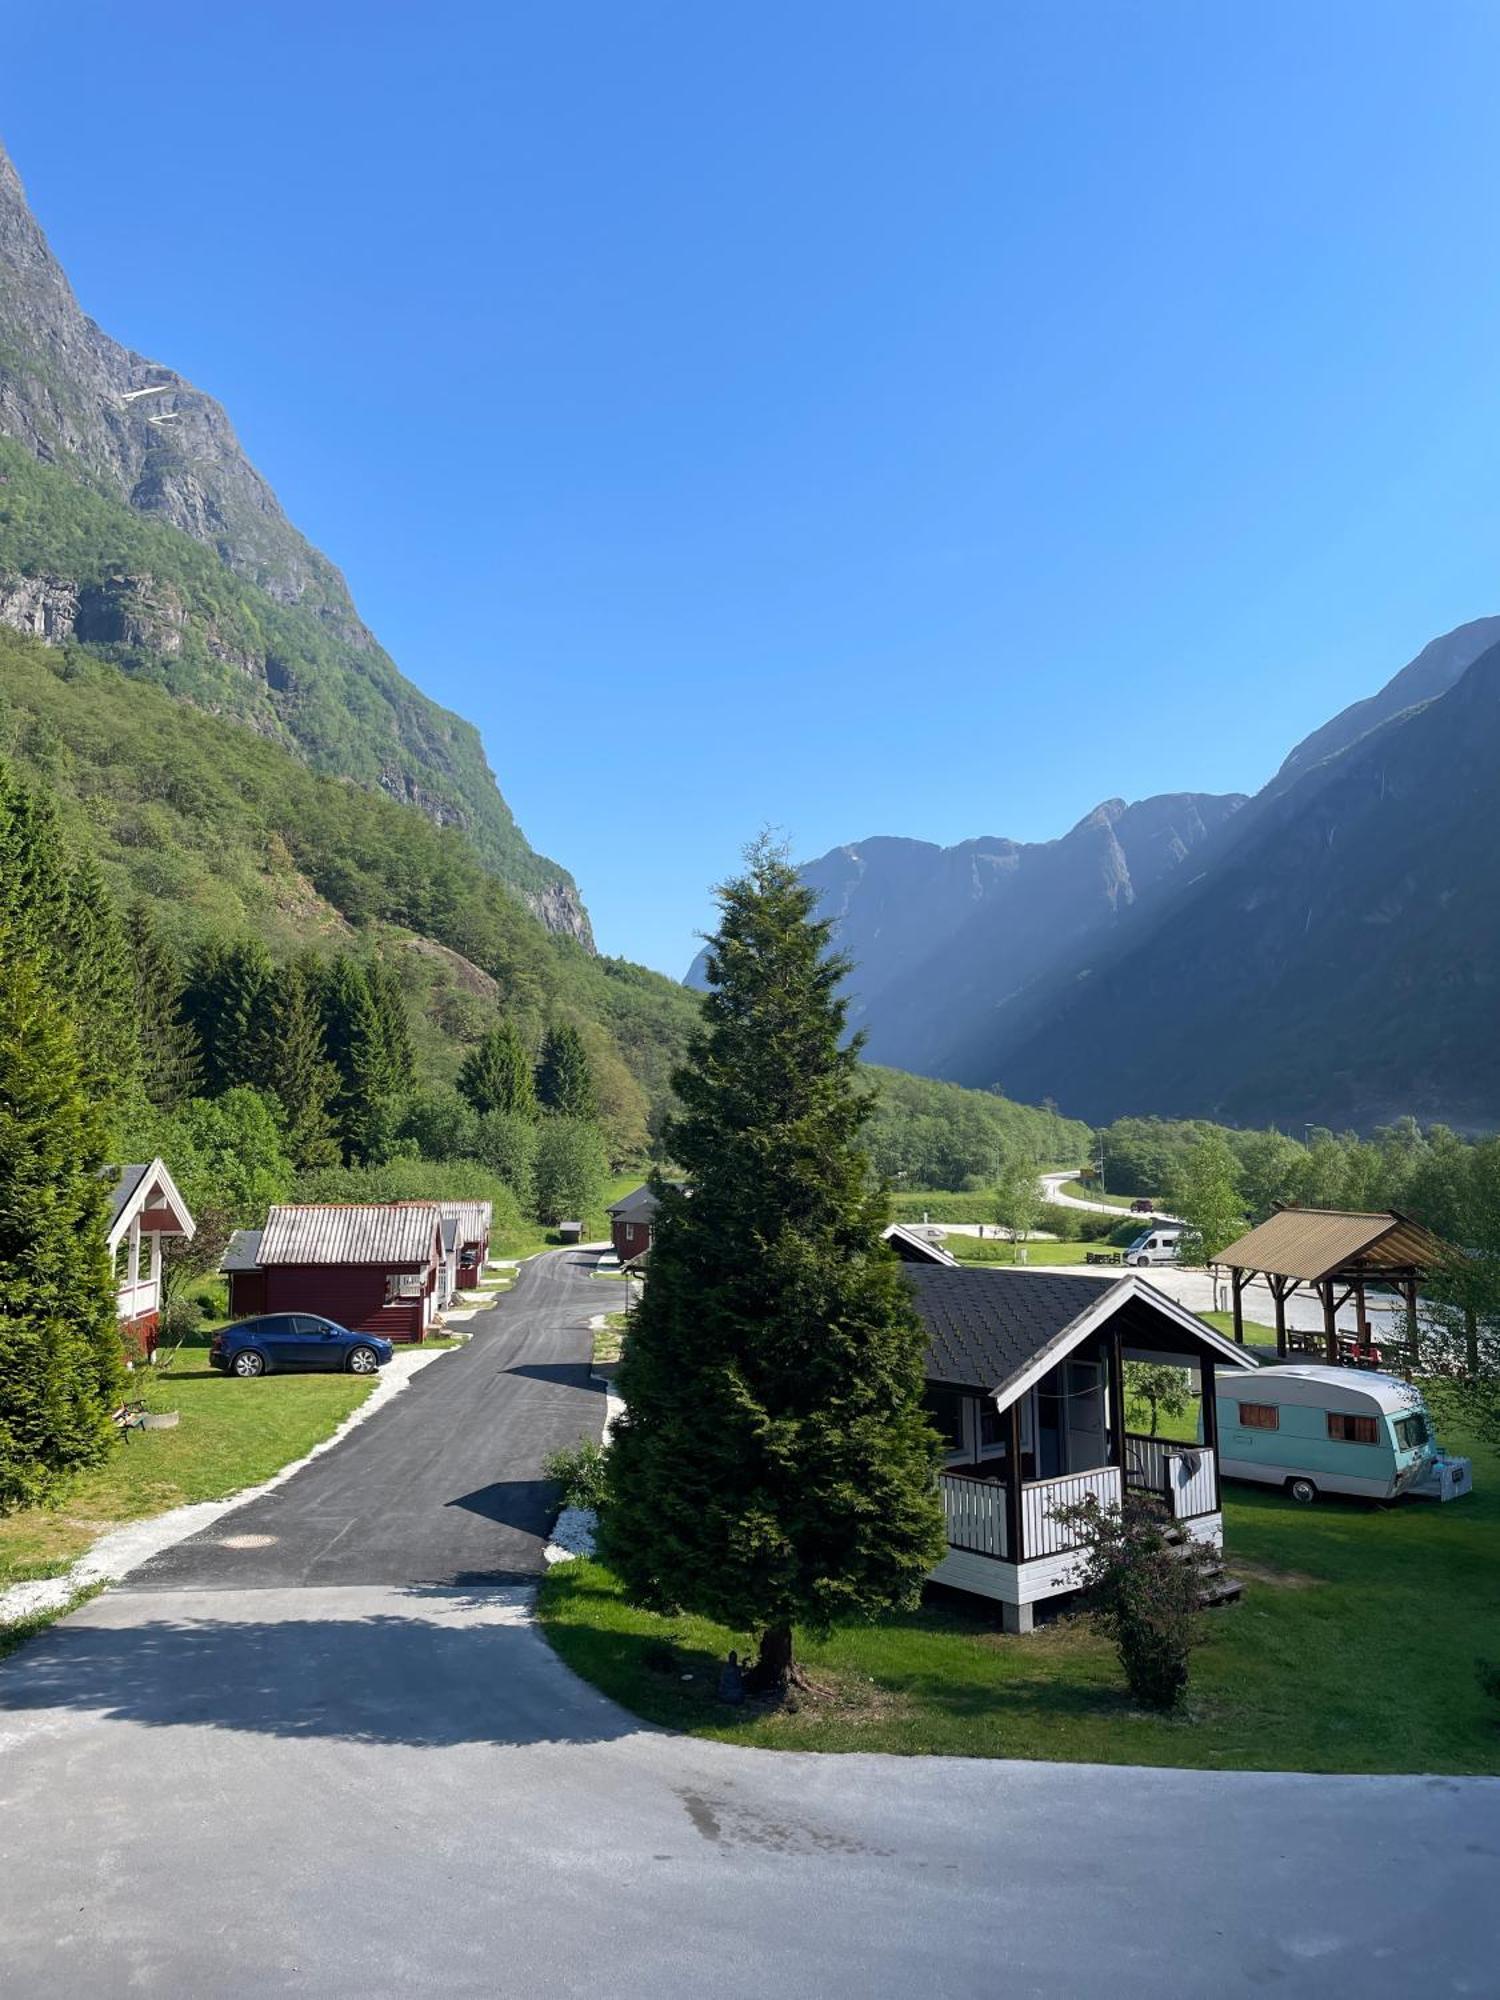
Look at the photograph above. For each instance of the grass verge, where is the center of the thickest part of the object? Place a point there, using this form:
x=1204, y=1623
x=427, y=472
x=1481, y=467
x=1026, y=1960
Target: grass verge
x=231, y=1435
x=1361, y=1644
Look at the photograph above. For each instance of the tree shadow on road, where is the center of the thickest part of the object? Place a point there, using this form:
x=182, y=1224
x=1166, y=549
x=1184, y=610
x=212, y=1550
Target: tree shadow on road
x=465, y=1666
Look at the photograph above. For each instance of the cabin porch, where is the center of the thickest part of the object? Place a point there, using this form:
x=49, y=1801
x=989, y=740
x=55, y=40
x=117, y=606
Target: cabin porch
x=1011, y=1471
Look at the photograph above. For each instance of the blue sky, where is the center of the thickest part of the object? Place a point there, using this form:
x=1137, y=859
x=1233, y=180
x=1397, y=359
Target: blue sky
x=925, y=419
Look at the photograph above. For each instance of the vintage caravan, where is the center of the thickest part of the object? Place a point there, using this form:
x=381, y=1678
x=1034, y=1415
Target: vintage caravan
x=1315, y=1429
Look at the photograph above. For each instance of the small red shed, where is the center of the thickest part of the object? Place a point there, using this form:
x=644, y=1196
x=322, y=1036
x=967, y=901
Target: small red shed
x=371, y=1266
x=632, y=1220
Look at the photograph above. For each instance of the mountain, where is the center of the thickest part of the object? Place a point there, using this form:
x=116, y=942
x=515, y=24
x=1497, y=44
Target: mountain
x=1337, y=958
x=1431, y=673
x=132, y=522
x=942, y=937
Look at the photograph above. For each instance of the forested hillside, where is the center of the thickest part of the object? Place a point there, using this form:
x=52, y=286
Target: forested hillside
x=131, y=521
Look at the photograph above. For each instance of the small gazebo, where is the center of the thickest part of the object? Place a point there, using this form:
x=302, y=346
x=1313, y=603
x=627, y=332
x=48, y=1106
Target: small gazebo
x=1335, y=1253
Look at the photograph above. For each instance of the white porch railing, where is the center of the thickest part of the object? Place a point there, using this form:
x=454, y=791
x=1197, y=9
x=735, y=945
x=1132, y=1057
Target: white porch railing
x=142, y=1296
x=1182, y=1473
x=975, y=1513
x=1042, y=1499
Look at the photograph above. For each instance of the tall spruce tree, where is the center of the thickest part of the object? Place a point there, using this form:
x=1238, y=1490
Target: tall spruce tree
x=564, y=1080
x=395, y=1024
x=99, y=985
x=34, y=879
x=60, y=1361
x=774, y=1465
x=169, y=1046
x=303, y=1080
x=357, y=1046
x=496, y=1074
x=230, y=1002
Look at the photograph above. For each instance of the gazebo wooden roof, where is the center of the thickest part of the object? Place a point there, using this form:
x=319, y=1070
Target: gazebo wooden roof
x=1335, y=1252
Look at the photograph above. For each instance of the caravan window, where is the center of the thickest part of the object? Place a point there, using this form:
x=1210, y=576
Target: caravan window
x=1411, y=1432
x=1352, y=1430
x=1260, y=1417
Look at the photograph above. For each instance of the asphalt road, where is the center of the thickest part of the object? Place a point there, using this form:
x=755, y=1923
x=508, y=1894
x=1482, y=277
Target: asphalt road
x=443, y=1487
x=283, y=1777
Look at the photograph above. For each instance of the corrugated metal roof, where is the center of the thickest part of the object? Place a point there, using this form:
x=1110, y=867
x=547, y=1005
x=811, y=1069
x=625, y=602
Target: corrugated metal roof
x=1314, y=1243
x=473, y=1218
x=374, y=1232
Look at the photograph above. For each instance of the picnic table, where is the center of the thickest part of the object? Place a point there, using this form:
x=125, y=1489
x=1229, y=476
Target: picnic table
x=1102, y=1256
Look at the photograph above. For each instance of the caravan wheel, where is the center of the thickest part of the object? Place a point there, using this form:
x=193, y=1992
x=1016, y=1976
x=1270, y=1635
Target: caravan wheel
x=1303, y=1491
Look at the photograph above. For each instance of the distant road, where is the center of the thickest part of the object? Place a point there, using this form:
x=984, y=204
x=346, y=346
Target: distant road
x=1055, y=1183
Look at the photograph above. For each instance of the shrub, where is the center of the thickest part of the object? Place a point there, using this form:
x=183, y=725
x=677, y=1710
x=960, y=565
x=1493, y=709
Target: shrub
x=581, y=1471
x=1144, y=1591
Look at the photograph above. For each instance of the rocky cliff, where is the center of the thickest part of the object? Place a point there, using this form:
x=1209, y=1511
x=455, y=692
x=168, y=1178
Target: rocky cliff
x=116, y=469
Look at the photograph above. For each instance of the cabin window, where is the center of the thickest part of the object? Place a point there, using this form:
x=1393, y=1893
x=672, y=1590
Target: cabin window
x=402, y=1285
x=946, y=1409
x=1352, y=1430
x=994, y=1431
x=1260, y=1417
x=1411, y=1432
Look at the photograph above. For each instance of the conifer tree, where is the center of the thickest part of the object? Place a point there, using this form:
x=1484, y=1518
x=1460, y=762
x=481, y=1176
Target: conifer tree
x=564, y=1082
x=169, y=1047
x=357, y=1048
x=773, y=1465
x=60, y=1363
x=395, y=1024
x=98, y=984
x=304, y=1081
x=230, y=1002
x=33, y=880
x=496, y=1074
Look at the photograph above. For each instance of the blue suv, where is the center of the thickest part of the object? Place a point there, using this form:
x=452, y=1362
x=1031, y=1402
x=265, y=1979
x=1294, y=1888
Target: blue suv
x=296, y=1340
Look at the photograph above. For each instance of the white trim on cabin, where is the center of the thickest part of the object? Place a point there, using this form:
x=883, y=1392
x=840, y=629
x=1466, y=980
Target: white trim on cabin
x=155, y=1176
x=1098, y=1314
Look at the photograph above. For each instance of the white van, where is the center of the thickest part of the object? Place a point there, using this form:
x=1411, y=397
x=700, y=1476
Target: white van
x=1160, y=1245
x=1315, y=1429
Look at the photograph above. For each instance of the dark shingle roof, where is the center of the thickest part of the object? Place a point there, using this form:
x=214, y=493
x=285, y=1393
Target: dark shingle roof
x=983, y=1327
x=639, y=1202
x=125, y=1186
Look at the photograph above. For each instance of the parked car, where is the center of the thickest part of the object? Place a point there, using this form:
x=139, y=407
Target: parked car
x=1317, y=1429
x=1155, y=1246
x=1142, y=1205
x=282, y=1341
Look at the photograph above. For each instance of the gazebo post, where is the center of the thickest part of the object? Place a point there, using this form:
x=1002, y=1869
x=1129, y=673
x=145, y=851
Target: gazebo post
x=1359, y=1308
x=1330, y=1322
x=1278, y=1293
x=1236, y=1286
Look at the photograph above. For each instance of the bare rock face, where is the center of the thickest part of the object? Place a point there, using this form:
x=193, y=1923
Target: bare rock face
x=69, y=392
x=559, y=908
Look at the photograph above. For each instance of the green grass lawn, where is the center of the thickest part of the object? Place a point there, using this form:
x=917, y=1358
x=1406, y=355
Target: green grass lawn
x=990, y=1250
x=1359, y=1645
x=534, y=1236
x=232, y=1434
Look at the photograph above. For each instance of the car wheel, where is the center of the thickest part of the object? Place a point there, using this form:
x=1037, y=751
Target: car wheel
x=248, y=1362
x=1302, y=1491
x=362, y=1361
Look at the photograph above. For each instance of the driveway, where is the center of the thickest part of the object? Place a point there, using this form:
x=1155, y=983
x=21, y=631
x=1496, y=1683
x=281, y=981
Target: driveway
x=443, y=1487
x=264, y=1770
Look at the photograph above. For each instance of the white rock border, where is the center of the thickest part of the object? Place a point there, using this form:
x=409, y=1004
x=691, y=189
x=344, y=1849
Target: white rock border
x=123, y=1549
x=575, y=1529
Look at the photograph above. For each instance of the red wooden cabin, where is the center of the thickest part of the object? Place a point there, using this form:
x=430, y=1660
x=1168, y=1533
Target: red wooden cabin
x=373, y=1267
